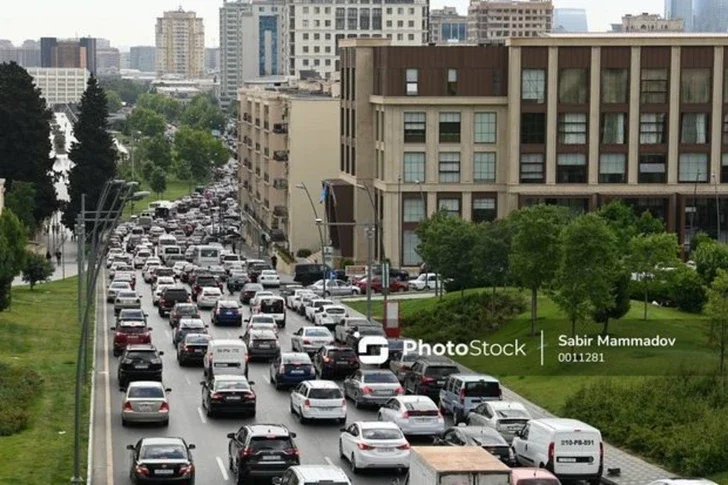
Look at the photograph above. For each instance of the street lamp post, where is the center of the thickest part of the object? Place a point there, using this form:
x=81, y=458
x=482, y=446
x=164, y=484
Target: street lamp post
x=319, y=222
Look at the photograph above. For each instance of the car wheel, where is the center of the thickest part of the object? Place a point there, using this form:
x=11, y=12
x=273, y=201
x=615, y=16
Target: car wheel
x=327, y=294
x=341, y=450
x=354, y=469
x=124, y=422
x=354, y=292
x=301, y=418
x=165, y=423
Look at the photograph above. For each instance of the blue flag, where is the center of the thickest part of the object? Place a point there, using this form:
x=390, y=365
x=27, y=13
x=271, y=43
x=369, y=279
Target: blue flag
x=324, y=192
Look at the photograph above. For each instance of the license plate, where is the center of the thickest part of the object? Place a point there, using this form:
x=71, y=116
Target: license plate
x=440, y=383
x=296, y=372
x=233, y=398
x=385, y=450
x=327, y=409
x=270, y=458
x=141, y=366
x=423, y=420
x=515, y=428
x=566, y=460
x=264, y=346
x=145, y=409
x=164, y=472
x=342, y=362
x=382, y=393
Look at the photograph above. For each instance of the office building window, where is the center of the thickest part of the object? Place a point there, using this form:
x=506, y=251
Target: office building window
x=532, y=168
x=413, y=210
x=612, y=168
x=694, y=128
x=724, y=168
x=614, y=85
x=410, y=36
x=652, y=169
x=695, y=86
x=533, y=86
x=693, y=167
x=571, y=168
x=412, y=77
x=351, y=18
x=410, y=242
x=449, y=167
x=653, y=86
x=572, y=128
x=449, y=127
x=364, y=19
x=573, y=86
x=485, y=128
x=414, y=167
x=484, y=167
x=653, y=128
x=376, y=19
x=452, y=82
x=484, y=209
x=400, y=24
x=533, y=128
x=305, y=37
x=614, y=128
x=415, y=126
x=340, y=18
x=449, y=205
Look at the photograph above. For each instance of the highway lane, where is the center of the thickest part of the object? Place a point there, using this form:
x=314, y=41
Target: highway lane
x=318, y=443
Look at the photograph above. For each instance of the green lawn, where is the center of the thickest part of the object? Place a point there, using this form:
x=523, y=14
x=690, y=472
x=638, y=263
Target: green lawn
x=40, y=331
x=175, y=190
x=549, y=385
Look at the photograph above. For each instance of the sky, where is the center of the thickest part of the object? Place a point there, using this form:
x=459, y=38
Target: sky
x=131, y=22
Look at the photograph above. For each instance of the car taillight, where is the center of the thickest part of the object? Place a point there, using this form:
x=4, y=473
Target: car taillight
x=189, y=299
x=142, y=470
x=291, y=451
x=250, y=394
x=162, y=301
x=327, y=359
x=462, y=396
x=282, y=369
x=306, y=342
x=363, y=446
x=400, y=390
x=405, y=446
x=405, y=415
x=426, y=379
x=367, y=390
x=551, y=452
x=217, y=312
x=215, y=396
x=246, y=452
x=187, y=348
x=119, y=335
x=186, y=470
x=307, y=403
x=127, y=406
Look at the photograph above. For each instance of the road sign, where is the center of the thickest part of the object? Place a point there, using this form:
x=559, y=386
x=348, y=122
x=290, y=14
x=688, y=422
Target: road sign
x=355, y=270
x=385, y=275
x=391, y=319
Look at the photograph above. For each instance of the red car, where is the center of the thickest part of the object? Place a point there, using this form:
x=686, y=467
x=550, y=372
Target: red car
x=130, y=333
x=395, y=286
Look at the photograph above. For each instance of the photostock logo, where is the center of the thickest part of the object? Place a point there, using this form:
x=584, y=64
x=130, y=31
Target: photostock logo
x=373, y=341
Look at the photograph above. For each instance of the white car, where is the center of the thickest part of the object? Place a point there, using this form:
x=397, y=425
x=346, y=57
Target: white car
x=318, y=400
x=148, y=271
x=157, y=295
x=330, y=316
x=415, y=415
x=296, y=296
x=145, y=402
x=258, y=325
x=163, y=280
x=310, y=339
x=141, y=258
x=349, y=324
x=208, y=297
x=255, y=301
x=506, y=417
x=115, y=287
x=269, y=278
x=425, y=281
x=374, y=444
x=315, y=305
x=299, y=302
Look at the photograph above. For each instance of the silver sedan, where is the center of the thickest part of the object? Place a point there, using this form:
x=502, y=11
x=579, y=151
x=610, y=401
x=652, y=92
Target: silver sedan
x=372, y=387
x=127, y=299
x=334, y=288
x=145, y=402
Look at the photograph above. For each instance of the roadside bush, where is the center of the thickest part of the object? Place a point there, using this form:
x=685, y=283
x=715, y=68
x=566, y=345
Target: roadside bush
x=463, y=319
x=659, y=291
x=678, y=421
x=19, y=388
x=686, y=290
x=303, y=253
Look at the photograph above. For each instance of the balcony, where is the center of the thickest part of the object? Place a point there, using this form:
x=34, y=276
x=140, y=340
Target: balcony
x=280, y=211
x=281, y=128
x=266, y=177
x=280, y=155
x=280, y=184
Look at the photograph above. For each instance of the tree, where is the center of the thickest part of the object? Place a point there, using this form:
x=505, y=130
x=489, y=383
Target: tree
x=113, y=101
x=648, y=256
x=36, y=269
x=147, y=122
x=700, y=238
x=717, y=310
x=709, y=258
x=201, y=151
x=619, y=307
x=625, y=224
x=203, y=113
x=536, y=244
x=25, y=144
x=157, y=150
x=168, y=107
x=93, y=153
x=686, y=289
x=12, y=253
x=588, y=263
x=20, y=198
x=489, y=254
x=158, y=181
x=128, y=90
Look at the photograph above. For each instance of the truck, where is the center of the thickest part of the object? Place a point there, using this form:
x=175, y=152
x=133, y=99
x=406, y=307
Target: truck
x=455, y=465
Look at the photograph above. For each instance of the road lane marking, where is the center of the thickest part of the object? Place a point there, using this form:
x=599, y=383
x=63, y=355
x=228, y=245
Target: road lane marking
x=267, y=379
x=202, y=415
x=107, y=391
x=328, y=460
x=169, y=335
x=221, y=466
x=187, y=380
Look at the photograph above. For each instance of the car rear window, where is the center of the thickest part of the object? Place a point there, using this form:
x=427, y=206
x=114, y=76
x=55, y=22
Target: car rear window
x=316, y=332
x=141, y=355
x=261, y=319
x=231, y=386
x=187, y=310
x=131, y=315
x=296, y=359
x=342, y=353
x=229, y=304
x=482, y=389
x=271, y=306
x=335, y=311
x=206, y=280
x=197, y=339
x=382, y=434
x=325, y=394
x=175, y=294
x=163, y=452
x=511, y=413
x=127, y=294
x=192, y=324
x=370, y=331
x=146, y=392
x=440, y=370
x=271, y=443
x=380, y=378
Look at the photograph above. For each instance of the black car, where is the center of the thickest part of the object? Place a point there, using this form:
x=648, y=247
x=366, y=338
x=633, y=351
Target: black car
x=309, y=273
x=229, y=395
x=249, y=291
x=427, y=376
x=484, y=436
x=262, y=450
x=140, y=363
x=170, y=297
x=188, y=325
x=331, y=361
x=236, y=281
x=352, y=339
x=162, y=460
x=192, y=348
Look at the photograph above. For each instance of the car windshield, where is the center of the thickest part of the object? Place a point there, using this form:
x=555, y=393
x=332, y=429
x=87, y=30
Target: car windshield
x=141, y=355
x=482, y=389
x=146, y=392
x=325, y=394
x=231, y=386
x=163, y=452
x=316, y=332
x=382, y=434
x=380, y=378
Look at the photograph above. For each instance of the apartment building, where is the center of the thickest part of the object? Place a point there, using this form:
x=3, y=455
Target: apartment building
x=647, y=22
x=495, y=21
x=180, y=45
x=68, y=53
x=316, y=27
x=60, y=85
x=447, y=25
x=287, y=137
x=575, y=120
x=143, y=58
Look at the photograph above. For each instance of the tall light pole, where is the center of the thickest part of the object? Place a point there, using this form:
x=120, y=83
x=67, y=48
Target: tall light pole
x=717, y=206
x=400, y=209
x=318, y=222
x=694, y=210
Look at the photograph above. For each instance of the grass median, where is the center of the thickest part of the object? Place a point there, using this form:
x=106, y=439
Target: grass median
x=40, y=334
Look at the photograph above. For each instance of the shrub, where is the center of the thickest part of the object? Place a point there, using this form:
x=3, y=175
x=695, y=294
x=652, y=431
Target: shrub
x=19, y=387
x=659, y=291
x=686, y=290
x=303, y=253
x=285, y=254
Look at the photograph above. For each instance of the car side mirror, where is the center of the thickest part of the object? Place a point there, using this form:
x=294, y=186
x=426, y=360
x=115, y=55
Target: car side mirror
x=121, y=389
x=113, y=328
x=241, y=337
x=130, y=447
x=277, y=481
x=168, y=390
x=293, y=435
x=161, y=353
x=203, y=383
x=343, y=430
x=146, y=314
x=251, y=383
x=191, y=447
x=149, y=330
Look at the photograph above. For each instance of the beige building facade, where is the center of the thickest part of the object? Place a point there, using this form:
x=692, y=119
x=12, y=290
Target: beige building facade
x=180, y=45
x=494, y=21
x=646, y=22
x=60, y=85
x=287, y=137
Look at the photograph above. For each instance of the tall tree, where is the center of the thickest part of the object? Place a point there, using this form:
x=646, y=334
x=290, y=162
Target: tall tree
x=12, y=253
x=168, y=107
x=587, y=265
x=25, y=144
x=157, y=150
x=709, y=257
x=146, y=121
x=625, y=224
x=536, y=245
x=21, y=199
x=620, y=306
x=200, y=150
x=717, y=310
x=113, y=101
x=648, y=256
x=158, y=181
x=489, y=254
x=93, y=153
x=203, y=113
x=36, y=269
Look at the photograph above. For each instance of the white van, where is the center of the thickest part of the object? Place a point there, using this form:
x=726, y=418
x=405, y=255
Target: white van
x=275, y=306
x=225, y=357
x=568, y=448
x=165, y=251
x=206, y=256
x=313, y=475
x=166, y=240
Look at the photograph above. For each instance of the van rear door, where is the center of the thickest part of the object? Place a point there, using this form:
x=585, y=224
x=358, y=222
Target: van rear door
x=577, y=453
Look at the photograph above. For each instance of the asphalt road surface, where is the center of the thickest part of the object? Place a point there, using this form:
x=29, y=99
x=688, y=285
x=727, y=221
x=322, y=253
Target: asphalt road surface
x=318, y=443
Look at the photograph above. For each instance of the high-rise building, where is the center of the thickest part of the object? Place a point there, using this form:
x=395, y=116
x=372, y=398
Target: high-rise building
x=143, y=58
x=103, y=44
x=60, y=85
x=26, y=56
x=108, y=61
x=681, y=9
x=494, y=21
x=647, y=22
x=570, y=20
x=447, y=25
x=125, y=60
x=710, y=15
x=180, y=39
x=212, y=59
x=70, y=53
x=251, y=36
x=316, y=27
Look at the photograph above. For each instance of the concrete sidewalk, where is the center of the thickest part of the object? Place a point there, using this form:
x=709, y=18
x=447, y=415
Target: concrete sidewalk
x=69, y=259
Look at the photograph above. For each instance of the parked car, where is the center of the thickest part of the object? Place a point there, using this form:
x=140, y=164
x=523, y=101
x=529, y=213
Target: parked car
x=333, y=288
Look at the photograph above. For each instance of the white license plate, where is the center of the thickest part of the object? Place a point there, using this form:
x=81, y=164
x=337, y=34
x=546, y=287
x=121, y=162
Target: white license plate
x=385, y=450
x=233, y=398
x=296, y=372
x=142, y=366
x=270, y=458
x=145, y=408
x=382, y=393
x=423, y=420
x=326, y=409
x=164, y=472
x=440, y=383
x=264, y=346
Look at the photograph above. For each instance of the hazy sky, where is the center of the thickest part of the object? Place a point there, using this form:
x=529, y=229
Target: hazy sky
x=131, y=22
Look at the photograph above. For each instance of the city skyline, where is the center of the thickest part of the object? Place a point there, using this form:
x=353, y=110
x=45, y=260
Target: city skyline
x=131, y=23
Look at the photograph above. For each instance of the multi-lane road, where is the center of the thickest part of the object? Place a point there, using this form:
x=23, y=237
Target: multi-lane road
x=318, y=443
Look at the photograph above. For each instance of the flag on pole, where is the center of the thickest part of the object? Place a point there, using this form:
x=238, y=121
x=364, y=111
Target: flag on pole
x=324, y=191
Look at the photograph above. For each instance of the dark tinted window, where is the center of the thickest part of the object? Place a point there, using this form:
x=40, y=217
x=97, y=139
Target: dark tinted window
x=197, y=339
x=303, y=359
x=370, y=331
x=187, y=310
x=308, y=268
x=380, y=378
x=141, y=355
x=206, y=281
x=148, y=392
x=381, y=434
x=271, y=306
x=231, y=386
x=325, y=394
x=131, y=315
x=271, y=443
x=316, y=332
x=440, y=370
x=163, y=452
x=175, y=294
x=482, y=389
x=131, y=329
x=342, y=353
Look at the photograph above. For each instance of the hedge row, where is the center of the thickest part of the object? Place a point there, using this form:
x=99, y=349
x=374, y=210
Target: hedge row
x=19, y=388
x=682, y=288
